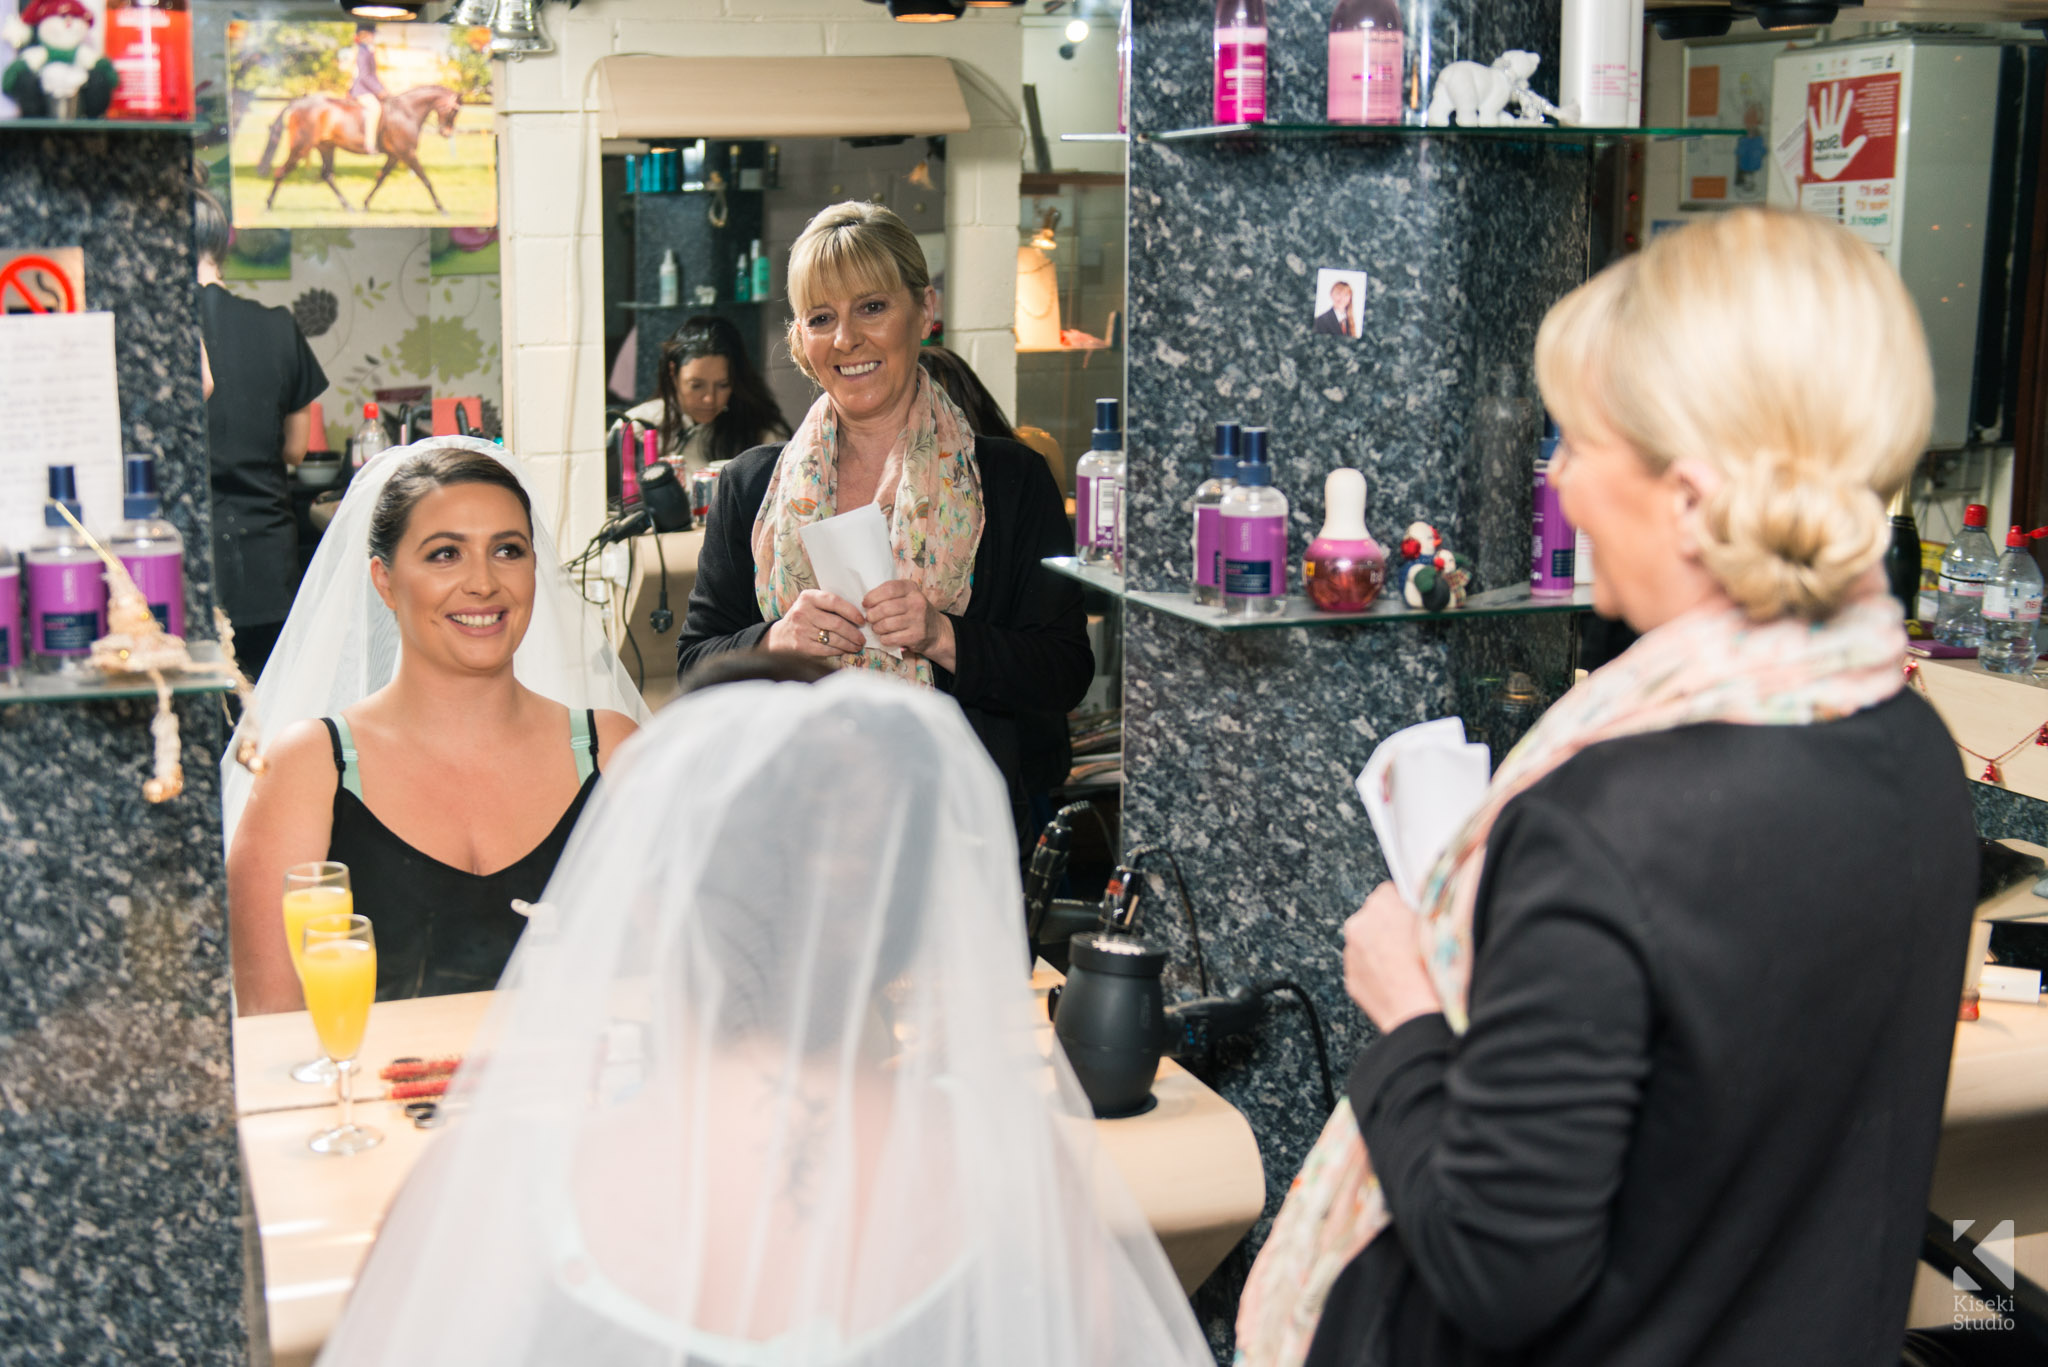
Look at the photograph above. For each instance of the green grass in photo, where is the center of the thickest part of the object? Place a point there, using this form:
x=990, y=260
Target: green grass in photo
x=463, y=170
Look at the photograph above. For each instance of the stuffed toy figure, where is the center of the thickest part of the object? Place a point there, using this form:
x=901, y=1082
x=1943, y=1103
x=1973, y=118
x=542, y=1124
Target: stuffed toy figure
x=1431, y=577
x=57, y=62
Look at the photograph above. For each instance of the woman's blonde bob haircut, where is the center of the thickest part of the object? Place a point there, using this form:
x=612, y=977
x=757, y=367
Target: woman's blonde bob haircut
x=1784, y=353
x=846, y=251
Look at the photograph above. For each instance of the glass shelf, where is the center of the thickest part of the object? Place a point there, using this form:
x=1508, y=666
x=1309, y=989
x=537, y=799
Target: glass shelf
x=99, y=126
x=1095, y=137
x=1513, y=601
x=721, y=304
x=94, y=687
x=1382, y=132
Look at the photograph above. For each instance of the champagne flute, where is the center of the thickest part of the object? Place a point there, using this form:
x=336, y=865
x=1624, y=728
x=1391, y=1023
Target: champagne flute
x=339, y=971
x=317, y=889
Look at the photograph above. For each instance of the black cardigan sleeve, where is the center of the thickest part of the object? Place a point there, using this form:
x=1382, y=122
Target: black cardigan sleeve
x=1025, y=650
x=723, y=614
x=1500, y=1152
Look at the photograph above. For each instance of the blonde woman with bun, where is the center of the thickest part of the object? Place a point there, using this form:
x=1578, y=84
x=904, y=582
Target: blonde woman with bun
x=1662, y=1053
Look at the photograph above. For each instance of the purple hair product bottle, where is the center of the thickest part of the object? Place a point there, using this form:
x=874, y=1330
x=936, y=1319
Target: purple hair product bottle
x=1254, y=536
x=1553, y=541
x=150, y=548
x=1209, y=516
x=10, y=617
x=67, y=589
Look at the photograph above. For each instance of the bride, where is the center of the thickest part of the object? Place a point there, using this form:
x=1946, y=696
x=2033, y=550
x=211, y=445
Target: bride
x=764, y=1089
x=439, y=706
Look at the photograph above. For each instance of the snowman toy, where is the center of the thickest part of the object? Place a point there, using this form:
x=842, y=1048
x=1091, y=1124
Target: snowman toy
x=59, y=71
x=1431, y=578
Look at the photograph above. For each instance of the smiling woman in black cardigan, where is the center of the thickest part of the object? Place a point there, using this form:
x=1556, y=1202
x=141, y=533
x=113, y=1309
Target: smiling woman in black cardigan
x=1015, y=652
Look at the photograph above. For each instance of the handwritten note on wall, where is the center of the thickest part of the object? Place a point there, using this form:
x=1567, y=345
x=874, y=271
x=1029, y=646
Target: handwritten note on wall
x=59, y=405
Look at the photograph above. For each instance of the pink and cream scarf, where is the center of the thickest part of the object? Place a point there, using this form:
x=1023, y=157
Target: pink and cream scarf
x=930, y=494
x=1707, y=666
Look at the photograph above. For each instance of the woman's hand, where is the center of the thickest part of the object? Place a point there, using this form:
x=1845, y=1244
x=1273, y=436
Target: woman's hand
x=903, y=618
x=820, y=624
x=1383, y=968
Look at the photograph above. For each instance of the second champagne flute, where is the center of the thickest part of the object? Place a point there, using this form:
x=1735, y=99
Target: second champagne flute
x=340, y=977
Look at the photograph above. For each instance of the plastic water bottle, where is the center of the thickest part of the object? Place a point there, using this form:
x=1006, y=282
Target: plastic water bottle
x=1966, y=567
x=369, y=438
x=2012, y=608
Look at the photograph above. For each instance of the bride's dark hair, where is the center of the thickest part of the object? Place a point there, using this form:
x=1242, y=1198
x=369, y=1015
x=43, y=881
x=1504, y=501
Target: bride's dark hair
x=420, y=476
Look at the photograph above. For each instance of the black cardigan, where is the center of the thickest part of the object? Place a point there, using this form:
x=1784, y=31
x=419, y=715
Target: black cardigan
x=1694, y=1117
x=1022, y=644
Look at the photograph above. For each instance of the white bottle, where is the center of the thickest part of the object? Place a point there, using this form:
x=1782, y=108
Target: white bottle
x=1098, y=488
x=67, y=588
x=2012, y=610
x=1635, y=65
x=1208, y=510
x=149, y=548
x=1254, y=536
x=1596, y=40
x=671, y=283
x=369, y=438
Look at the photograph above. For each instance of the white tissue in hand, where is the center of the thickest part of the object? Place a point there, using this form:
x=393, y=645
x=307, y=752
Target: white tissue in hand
x=1419, y=787
x=850, y=555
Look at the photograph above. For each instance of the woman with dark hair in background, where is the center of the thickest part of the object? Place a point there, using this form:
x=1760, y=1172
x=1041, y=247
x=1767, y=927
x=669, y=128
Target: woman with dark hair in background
x=711, y=403
x=261, y=381
x=984, y=415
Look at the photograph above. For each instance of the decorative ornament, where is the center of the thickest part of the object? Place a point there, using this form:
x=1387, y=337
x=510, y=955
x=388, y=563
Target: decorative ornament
x=1913, y=668
x=1991, y=774
x=1478, y=96
x=1431, y=578
x=1915, y=678
x=58, y=71
x=136, y=643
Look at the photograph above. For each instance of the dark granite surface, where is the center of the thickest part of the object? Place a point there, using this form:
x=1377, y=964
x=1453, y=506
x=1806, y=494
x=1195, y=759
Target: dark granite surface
x=122, y=1194
x=2005, y=815
x=1240, y=750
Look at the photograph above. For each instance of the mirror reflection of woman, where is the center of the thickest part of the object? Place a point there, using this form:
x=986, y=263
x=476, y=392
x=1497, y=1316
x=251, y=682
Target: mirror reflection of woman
x=449, y=791
x=712, y=403
x=972, y=611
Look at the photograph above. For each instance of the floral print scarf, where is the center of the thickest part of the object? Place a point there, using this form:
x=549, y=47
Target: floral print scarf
x=1711, y=665
x=930, y=494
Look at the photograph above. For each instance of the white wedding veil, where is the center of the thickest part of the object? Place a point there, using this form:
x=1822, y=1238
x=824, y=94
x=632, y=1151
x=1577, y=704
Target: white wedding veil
x=340, y=643
x=765, y=1083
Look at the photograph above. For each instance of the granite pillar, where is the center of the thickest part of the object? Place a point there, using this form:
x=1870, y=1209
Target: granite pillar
x=1240, y=749
x=120, y=1195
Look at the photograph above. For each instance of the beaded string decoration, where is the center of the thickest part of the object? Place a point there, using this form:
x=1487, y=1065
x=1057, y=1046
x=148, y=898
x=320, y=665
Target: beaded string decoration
x=2037, y=735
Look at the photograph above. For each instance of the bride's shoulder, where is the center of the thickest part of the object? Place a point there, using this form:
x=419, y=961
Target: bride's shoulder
x=612, y=730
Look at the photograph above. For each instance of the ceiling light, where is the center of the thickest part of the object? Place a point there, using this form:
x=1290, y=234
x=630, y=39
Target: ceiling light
x=925, y=11
x=383, y=9
x=995, y=4
x=1077, y=30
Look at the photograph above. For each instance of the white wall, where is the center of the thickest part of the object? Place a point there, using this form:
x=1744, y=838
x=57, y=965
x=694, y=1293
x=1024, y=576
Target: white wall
x=554, y=331
x=1075, y=95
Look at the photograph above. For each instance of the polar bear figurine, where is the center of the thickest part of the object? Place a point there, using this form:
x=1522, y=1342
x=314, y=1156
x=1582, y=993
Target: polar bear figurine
x=1478, y=96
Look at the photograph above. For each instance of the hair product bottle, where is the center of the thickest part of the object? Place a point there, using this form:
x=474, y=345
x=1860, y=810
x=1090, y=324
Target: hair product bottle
x=1098, y=478
x=150, y=548
x=761, y=284
x=742, y=281
x=1365, y=62
x=10, y=616
x=1254, y=536
x=150, y=44
x=669, y=280
x=1208, y=510
x=1345, y=568
x=1553, y=541
x=67, y=589
x=1240, y=61
x=1595, y=44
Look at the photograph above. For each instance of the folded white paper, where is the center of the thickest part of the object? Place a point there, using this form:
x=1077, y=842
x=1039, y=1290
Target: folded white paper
x=850, y=555
x=1419, y=787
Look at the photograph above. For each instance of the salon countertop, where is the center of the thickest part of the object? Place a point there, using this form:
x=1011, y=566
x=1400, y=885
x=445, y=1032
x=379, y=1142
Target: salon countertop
x=1190, y=1162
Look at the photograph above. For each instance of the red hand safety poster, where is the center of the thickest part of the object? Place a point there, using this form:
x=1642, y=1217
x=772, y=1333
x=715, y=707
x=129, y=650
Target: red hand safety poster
x=1852, y=152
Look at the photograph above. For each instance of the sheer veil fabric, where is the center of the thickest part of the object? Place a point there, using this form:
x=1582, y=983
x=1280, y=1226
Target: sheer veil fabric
x=764, y=1085
x=340, y=643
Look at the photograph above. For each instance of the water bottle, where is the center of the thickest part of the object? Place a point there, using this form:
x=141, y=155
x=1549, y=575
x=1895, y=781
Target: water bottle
x=369, y=438
x=2012, y=608
x=1966, y=567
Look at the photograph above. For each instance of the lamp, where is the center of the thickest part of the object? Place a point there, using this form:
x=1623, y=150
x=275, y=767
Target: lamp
x=926, y=11
x=399, y=10
x=1046, y=239
x=995, y=4
x=1038, y=302
x=516, y=30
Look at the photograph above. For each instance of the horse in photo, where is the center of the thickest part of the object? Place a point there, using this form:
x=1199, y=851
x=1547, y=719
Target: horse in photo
x=328, y=124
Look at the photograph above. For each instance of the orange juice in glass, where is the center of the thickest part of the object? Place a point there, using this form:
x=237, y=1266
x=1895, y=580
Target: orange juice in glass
x=338, y=970
x=316, y=889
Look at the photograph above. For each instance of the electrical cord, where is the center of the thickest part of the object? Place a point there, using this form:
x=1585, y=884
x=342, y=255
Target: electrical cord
x=1200, y=1025
x=1282, y=986
x=1133, y=863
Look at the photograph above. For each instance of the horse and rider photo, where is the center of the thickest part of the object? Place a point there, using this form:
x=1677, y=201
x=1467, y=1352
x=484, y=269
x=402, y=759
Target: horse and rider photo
x=345, y=125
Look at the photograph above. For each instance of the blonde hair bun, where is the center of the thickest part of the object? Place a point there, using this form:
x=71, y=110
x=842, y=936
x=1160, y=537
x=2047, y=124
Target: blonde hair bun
x=1783, y=352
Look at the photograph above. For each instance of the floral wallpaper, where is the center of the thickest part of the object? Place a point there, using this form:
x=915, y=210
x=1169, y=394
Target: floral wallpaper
x=381, y=320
